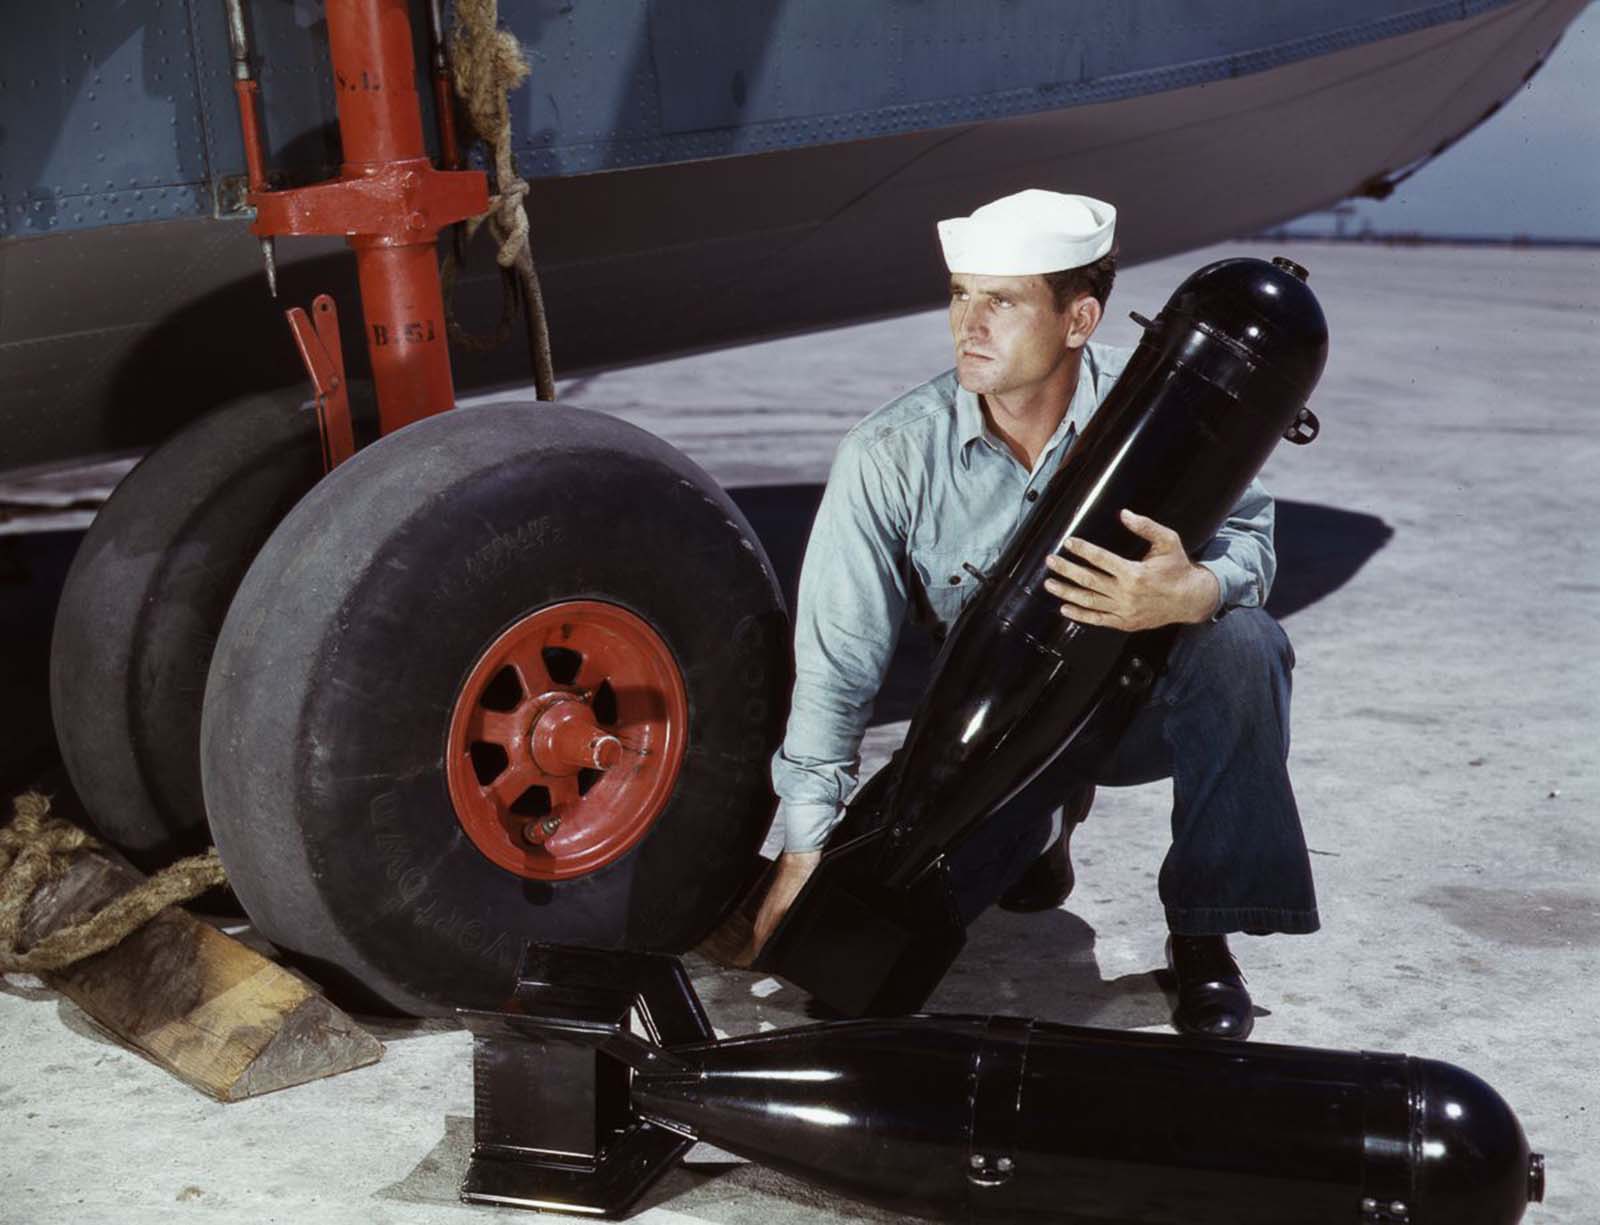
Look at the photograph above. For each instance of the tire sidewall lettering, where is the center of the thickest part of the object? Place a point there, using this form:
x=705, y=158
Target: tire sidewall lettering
x=498, y=553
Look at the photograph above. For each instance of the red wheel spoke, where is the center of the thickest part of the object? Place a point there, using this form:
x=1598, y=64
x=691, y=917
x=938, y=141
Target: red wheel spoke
x=591, y=672
x=530, y=669
x=637, y=704
x=584, y=639
x=502, y=727
x=508, y=788
x=563, y=792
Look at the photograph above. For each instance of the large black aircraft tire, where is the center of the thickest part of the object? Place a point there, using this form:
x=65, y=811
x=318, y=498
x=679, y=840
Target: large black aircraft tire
x=142, y=605
x=367, y=753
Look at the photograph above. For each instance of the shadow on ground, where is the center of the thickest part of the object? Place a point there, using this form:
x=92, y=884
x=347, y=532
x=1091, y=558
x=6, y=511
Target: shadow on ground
x=706, y=1185
x=436, y=1179
x=1044, y=965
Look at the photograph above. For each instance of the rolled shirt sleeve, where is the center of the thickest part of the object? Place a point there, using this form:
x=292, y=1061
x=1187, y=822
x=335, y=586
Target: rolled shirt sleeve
x=1241, y=554
x=851, y=605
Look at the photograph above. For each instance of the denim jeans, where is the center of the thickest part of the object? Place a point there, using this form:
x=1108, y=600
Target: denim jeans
x=1217, y=723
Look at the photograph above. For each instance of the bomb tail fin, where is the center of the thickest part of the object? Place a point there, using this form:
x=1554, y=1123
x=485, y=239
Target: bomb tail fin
x=554, y=1127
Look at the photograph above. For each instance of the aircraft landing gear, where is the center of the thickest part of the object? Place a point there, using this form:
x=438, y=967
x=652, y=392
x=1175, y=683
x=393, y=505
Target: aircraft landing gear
x=514, y=672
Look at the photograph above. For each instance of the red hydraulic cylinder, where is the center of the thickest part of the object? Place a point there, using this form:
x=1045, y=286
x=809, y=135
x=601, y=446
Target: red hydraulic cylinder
x=248, y=94
x=389, y=202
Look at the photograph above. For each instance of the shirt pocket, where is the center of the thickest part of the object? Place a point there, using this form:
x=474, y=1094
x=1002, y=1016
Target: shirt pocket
x=947, y=585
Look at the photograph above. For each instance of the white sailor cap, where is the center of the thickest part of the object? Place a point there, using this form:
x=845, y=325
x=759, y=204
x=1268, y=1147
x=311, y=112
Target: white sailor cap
x=1029, y=232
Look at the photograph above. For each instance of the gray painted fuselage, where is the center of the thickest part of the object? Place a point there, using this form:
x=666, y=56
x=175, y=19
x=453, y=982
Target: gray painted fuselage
x=701, y=170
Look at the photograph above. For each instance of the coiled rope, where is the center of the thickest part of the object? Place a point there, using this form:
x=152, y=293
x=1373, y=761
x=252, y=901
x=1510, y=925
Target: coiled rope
x=486, y=64
x=36, y=848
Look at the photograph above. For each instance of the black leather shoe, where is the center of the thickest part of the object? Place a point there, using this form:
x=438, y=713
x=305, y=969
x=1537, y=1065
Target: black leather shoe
x=1049, y=879
x=1212, y=1000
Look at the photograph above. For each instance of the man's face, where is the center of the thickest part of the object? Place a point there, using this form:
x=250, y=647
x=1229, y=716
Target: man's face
x=1008, y=334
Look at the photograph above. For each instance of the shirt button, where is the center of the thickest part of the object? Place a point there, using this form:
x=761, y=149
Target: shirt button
x=1033, y=495
x=955, y=580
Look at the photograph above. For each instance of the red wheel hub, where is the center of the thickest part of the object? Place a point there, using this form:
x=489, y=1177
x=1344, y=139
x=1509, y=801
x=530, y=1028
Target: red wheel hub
x=566, y=740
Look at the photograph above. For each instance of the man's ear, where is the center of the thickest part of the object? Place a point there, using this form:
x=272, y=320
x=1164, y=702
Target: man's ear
x=1083, y=316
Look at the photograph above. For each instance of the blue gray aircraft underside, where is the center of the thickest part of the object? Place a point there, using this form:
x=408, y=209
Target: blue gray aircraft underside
x=702, y=170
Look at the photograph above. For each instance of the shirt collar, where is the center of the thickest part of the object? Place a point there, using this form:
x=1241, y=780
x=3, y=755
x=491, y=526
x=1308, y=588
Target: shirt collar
x=969, y=420
x=970, y=426
x=1085, y=398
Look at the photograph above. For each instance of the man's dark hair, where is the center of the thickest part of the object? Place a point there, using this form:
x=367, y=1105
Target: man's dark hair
x=1093, y=279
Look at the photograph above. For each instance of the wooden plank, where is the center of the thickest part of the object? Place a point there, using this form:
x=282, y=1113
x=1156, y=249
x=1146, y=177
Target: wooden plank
x=214, y=1013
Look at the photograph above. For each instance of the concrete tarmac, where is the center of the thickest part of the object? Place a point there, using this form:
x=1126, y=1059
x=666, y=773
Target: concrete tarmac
x=1443, y=597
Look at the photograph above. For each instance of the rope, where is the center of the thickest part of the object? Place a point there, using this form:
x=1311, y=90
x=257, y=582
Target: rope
x=486, y=64
x=35, y=848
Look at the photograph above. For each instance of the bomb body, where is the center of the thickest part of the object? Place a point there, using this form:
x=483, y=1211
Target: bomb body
x=1009, y=1119
x=1217, y=379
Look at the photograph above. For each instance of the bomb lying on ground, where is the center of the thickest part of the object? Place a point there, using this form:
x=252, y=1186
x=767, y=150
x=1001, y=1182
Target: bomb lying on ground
x=998, y=1118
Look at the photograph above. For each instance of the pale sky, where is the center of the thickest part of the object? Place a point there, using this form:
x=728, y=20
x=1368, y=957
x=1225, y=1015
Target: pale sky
x=1533, y=169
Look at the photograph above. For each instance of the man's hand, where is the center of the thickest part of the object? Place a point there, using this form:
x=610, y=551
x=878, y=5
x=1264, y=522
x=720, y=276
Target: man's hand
x=794, y=868
x=1097, y=587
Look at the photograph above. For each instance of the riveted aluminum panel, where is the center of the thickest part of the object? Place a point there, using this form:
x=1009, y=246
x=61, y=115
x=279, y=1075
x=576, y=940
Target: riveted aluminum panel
x=101, y=118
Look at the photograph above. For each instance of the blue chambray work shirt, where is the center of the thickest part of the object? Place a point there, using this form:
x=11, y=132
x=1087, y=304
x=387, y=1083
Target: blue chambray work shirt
x=918, y=488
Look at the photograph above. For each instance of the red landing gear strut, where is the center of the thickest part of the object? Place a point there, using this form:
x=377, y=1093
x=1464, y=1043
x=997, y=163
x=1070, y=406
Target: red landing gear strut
x=389, y=202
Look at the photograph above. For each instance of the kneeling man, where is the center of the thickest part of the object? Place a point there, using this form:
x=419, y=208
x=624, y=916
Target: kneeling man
x=937, y=481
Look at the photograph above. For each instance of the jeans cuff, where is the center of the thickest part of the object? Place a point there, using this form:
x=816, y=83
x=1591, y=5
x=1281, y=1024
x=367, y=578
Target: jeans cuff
x=1258, y=920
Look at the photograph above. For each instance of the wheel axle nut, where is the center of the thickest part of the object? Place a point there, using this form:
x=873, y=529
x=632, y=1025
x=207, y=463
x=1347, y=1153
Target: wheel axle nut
x=537, y=831
x=565, y=738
